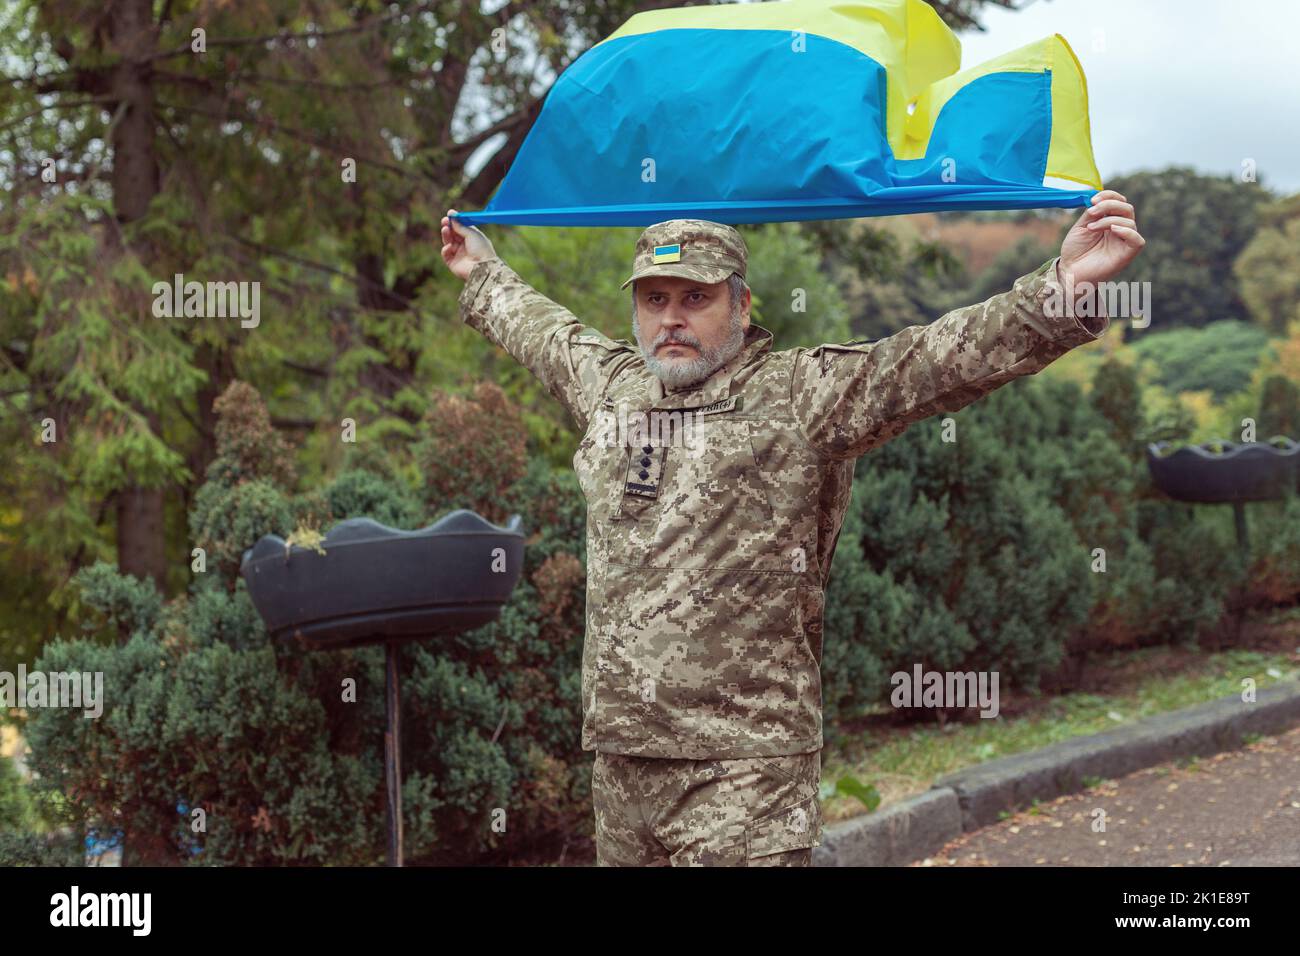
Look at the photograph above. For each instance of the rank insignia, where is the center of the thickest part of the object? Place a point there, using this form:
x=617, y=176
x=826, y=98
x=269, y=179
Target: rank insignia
x=645, y=469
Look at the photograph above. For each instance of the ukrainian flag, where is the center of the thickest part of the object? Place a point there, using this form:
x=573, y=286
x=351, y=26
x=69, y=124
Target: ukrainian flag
x=797, y=110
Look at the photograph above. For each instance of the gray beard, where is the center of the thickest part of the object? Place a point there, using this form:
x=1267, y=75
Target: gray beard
x=680, y=374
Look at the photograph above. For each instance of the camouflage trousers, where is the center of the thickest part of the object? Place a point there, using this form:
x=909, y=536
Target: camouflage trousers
x=753, y=811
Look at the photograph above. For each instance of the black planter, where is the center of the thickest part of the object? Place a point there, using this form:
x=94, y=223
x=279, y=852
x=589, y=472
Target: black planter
x=378, y=584
x=1253, y=471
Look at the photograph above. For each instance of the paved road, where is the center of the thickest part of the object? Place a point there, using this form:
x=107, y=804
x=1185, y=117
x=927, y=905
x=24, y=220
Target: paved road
x=1240, y=808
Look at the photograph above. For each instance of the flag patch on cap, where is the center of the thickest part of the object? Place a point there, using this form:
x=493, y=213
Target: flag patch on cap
x=672, y=253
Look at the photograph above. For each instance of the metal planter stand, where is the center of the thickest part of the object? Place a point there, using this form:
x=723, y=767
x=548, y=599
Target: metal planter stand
x=393, y=753
x=372, y=584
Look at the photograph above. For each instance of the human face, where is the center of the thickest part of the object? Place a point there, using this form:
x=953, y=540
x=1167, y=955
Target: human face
x=687, y=330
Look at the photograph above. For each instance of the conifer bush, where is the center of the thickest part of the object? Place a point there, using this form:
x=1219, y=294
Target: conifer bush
x=983, y=553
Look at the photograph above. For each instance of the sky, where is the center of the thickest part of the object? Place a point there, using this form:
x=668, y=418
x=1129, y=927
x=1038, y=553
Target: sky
x=1205, y=83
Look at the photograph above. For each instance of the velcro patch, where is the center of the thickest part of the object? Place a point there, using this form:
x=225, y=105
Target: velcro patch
x=645, y=469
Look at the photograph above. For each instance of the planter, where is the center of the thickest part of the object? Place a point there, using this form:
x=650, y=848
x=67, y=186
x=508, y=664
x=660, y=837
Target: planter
x=1253, y=471
x=369, y=583
x=377, y=584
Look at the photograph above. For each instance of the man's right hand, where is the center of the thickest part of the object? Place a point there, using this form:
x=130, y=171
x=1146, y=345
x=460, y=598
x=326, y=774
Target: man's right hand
x=463, y=246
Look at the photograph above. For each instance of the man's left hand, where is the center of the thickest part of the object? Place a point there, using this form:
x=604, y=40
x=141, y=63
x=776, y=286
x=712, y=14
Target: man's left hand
x=1102, y=242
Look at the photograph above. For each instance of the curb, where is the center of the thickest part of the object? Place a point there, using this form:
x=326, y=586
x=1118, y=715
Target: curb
x=974, y=797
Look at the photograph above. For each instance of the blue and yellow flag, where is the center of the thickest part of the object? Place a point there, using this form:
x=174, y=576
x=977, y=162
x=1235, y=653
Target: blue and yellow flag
x=796, y=110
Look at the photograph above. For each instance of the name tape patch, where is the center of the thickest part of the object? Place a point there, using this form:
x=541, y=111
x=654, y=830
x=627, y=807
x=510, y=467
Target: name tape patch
x=733, y=404
x=726, y=405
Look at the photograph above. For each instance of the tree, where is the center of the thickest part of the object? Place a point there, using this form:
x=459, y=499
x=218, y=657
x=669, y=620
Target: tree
x=1279, y=408
x=1195, y=226
x=309, y=149
x=1268, y=269
x=1221, y=356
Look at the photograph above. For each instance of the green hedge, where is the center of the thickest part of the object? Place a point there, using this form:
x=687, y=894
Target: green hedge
x=973, y=554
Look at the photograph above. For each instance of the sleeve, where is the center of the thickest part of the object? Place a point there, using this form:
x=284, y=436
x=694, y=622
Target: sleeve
x=850, y=398
x=576, y=363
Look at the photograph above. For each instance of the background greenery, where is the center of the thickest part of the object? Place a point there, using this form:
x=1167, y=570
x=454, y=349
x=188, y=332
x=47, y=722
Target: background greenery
x=175, y=433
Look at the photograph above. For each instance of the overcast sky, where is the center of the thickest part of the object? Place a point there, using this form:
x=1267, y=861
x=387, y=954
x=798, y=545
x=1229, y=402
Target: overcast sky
x=1205, y=83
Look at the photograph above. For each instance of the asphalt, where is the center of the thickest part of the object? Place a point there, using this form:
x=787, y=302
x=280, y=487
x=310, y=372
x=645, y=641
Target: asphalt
x=1236, y=808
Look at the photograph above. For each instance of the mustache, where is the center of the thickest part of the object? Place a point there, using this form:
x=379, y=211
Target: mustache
x=669, y=338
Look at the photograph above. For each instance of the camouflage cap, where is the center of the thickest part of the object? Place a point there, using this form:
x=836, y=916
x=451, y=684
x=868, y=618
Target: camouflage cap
x=691, y=249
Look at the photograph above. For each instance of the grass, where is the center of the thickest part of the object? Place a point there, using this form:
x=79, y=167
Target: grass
x=904, y=761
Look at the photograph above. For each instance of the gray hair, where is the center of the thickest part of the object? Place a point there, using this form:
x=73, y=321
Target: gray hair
x=710, y=359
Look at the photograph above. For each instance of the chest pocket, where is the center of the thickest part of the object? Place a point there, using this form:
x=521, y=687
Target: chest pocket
x=713, y=509
x=711, y=504
x=715, y=475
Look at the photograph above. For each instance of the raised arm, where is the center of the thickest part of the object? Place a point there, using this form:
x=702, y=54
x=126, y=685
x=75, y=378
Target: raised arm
x=850, y=398
x=576, y=363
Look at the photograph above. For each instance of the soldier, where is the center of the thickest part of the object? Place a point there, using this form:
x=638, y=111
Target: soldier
x=707, y=560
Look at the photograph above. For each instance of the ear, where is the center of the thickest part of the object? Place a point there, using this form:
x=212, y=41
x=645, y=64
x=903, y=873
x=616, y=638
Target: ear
x=744, y=309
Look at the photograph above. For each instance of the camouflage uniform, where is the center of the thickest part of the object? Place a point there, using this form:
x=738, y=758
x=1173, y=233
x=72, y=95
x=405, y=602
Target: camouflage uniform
x=707, y=563
x=753, y=811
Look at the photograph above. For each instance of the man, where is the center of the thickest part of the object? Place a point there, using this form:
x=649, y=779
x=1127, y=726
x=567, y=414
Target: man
x=707, y=565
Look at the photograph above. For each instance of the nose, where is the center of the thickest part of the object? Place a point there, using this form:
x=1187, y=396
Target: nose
x=673, y=318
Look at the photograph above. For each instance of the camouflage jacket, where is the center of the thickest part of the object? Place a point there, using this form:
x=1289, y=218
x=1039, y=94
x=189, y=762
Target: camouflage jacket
x=709, y=539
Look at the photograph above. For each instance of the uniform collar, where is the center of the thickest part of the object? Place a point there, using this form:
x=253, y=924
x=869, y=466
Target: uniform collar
x=717, y=386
